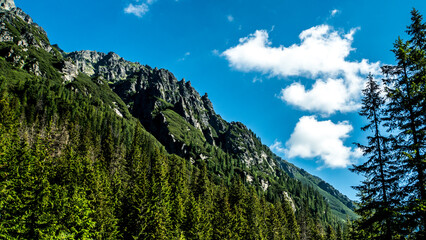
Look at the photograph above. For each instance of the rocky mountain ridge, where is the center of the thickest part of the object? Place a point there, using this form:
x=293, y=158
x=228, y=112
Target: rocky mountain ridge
x=148, y=91
x=18, y=27
x=35, y=36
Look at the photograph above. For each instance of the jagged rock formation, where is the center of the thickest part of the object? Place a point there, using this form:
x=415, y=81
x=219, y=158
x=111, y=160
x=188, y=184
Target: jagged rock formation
x=7, y=4
x=147, y=90
x=34, y=36
x=110, y=66
x=18, y=27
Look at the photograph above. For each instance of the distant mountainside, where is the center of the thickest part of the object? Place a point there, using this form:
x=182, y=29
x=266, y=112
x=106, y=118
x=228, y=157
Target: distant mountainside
x=179, y=118
x=165, y=105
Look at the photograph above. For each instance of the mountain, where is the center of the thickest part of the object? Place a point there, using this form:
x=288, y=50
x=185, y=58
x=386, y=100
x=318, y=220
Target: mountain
x=168, y=108
x=135, y=152
x=7, y=4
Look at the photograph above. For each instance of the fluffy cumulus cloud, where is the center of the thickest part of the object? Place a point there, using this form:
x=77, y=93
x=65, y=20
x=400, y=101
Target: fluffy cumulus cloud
x=139, y=9
x=322, y=139
x=321, y=54
x=326, y=97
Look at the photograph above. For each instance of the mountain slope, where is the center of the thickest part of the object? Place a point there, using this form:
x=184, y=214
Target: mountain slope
x=97, y=130
x=154, y=95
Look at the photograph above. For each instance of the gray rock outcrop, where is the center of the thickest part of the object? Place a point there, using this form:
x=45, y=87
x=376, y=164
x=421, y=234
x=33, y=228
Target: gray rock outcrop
x=7, y=4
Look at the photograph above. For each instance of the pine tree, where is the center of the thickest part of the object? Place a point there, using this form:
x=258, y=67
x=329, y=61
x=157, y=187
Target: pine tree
x=133, y=208
x=339, y=233
x=330, y=234
x=253, y=216
x=222, y=214
x=237, y=200
x=180, y=192
x=191, y=225
x=157, y=223
x=377, y=192
x=406, y=109
x=292, y=229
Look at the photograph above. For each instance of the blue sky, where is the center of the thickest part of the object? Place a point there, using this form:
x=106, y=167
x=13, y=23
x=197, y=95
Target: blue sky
x=291, y=71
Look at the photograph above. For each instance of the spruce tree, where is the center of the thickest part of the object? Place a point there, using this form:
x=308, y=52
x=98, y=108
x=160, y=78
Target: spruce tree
x=377, y=192
x=330, y=234
x=406, y=110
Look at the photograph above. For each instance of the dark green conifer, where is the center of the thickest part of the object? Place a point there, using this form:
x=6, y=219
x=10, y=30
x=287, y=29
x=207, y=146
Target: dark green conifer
x=378, y=192
x=406, y=110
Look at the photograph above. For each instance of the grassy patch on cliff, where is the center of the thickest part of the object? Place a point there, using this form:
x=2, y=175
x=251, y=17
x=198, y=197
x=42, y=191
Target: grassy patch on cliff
x=182, y=130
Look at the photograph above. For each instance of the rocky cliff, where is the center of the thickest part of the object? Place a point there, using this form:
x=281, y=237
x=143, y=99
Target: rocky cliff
x=34, y=35
x=19, y=28
x=149, y=91
x=7, y=4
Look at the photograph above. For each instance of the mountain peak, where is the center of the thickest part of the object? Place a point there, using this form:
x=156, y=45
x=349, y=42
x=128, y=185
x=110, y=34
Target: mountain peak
x=7, y=4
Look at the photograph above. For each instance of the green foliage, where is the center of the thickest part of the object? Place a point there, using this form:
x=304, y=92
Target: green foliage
x=393, y=195
x=98, y=91
x=77, y=190
x=336, y=203
x=72, y=168
x=182, y=130
x=378, y=192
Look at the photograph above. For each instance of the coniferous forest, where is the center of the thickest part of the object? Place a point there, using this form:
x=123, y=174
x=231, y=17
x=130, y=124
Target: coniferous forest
x=77, y=162
x=71, y=167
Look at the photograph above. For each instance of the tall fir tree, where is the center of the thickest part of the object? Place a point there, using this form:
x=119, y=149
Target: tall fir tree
x=406, y=110
x=378, y=192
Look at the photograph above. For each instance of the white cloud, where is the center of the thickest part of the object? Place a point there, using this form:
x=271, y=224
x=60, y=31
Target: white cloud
x=322, y=52
x=325, y=96
x=137, y=10
x=277, y=147
x=324, y=139
x=334, y=12
x=140, y=9
x=230, y=18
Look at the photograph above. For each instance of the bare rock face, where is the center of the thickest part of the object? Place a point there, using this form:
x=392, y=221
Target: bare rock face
x=7, y=4
x=69, y=70
x=110, y=66
x=147, y=91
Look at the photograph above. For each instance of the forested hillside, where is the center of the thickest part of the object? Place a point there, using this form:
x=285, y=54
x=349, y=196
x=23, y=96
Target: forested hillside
x=96, y=147
x=187, y=124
